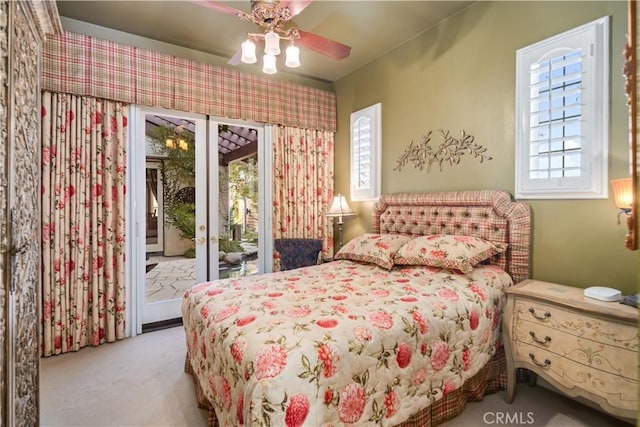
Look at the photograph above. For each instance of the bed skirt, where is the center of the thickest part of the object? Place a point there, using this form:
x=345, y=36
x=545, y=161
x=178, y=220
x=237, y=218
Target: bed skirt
x=489, y=379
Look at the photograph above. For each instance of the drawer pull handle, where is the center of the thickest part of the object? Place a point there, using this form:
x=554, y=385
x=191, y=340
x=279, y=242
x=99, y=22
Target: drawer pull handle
x=544, y=364
x=544, y=316
x=545, y=341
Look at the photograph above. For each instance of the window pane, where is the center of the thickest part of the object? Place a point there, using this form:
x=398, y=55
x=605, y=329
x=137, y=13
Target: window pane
x=572, y=144
x=573, y=160
x=557, y=161
x=538, y=174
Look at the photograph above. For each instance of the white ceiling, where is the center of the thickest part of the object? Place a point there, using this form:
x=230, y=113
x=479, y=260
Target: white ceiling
x=371, y=28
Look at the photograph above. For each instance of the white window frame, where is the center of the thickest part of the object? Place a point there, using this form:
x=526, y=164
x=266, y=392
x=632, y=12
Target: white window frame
x=593, y=39
x=371, y=190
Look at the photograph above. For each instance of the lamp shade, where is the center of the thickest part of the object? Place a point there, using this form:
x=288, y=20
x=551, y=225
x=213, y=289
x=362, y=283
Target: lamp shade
x=340, y=208
x=248, y=52
x=269, y=64
x=622, y=193
x=293, y=57
x=272, y=43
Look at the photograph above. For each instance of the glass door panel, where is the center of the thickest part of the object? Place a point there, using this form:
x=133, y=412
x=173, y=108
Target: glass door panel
x=176, y=255
x=237, y=217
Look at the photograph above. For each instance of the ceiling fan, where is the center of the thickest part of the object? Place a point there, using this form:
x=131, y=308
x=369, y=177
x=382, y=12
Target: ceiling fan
x=274, y=17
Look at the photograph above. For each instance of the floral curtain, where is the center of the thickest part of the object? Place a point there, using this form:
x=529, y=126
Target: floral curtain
x=83, y=222
x=303, y=184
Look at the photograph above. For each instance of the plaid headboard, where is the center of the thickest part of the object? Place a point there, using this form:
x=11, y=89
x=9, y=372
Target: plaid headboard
x=487, y=214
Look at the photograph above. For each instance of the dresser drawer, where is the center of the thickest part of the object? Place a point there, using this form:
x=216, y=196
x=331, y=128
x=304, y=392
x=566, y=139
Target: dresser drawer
x=604, y=357
x=577, y=324
x=617, y=391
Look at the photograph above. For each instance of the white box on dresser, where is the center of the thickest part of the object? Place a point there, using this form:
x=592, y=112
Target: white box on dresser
x=581, y=346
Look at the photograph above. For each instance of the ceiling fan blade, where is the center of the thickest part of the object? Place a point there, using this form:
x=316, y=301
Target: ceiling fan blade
x=323, y=45
x=218, y=7
x=235, y=59
x=295, y=6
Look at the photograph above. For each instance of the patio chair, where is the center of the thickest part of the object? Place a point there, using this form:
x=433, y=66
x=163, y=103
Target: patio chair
x=296, y=253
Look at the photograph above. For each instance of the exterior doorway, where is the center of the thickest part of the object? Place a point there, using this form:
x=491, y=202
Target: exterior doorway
x=204, y=195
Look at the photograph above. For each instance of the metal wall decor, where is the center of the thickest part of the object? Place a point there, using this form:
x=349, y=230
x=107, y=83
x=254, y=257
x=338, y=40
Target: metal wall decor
x=450, y=150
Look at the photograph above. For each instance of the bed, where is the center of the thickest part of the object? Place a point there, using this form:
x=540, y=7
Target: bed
x=363, y=340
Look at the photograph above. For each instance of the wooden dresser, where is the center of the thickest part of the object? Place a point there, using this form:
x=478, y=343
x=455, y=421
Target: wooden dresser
x=581, y=346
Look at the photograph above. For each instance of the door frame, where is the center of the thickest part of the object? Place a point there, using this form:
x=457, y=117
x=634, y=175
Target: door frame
x=155, y=247
x=265, y=195
x=136, y=183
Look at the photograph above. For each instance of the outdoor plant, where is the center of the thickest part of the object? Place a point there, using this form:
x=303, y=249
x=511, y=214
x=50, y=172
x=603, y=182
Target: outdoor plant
x=178, y=177
x=243, y=184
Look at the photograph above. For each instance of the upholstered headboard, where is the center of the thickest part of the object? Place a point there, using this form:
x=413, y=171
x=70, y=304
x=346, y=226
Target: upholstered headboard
x=487, y=214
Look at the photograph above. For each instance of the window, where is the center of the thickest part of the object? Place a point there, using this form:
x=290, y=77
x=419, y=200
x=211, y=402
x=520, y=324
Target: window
x=562, y=121
x=365, y=153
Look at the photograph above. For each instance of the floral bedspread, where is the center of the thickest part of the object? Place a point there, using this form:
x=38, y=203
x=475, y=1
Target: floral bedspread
x=340, y=342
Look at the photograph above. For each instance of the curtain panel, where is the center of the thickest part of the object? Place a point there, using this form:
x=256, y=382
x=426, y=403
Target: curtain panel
x=83, y=222
x=303, y=184
x=84, y=65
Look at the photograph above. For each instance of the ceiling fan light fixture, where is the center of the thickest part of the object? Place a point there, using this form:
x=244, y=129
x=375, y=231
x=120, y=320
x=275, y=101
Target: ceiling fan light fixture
x=272, y=43
x=248, y=52
x=293, y=57
x=269, y=64
x=273, y=17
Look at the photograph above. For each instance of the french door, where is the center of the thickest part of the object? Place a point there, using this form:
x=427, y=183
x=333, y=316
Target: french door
x=169, y=202
x=198, y=200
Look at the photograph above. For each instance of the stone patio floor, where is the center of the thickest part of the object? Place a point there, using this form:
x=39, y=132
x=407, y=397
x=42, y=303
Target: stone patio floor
x=171, y=276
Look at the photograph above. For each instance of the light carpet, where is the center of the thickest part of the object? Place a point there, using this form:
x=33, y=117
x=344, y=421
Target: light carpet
x=141, y=382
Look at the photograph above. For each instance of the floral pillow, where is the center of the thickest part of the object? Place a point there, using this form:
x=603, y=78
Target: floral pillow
x=448, y=251
x=377, y=249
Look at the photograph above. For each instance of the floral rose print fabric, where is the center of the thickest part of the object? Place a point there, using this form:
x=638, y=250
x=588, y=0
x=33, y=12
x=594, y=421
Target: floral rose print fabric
x=448, y=251
x=376, y=249
x=340, y=343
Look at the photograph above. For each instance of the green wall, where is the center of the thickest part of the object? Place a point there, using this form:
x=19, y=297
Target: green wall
x=460, y=75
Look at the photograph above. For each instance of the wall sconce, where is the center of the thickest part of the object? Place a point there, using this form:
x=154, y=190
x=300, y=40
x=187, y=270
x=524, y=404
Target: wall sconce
x=340, y=209
x=623, y=198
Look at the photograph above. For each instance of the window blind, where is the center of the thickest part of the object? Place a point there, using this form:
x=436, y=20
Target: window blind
x=361, y=146
x=555, y=113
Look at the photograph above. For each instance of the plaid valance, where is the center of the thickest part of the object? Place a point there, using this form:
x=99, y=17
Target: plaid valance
x=84, y=65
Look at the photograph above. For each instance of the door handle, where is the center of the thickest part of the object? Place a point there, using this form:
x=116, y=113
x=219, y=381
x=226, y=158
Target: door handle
x=201, y=240
x=214, y=240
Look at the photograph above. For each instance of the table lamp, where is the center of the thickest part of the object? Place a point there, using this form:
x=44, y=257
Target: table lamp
x=340, y=209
